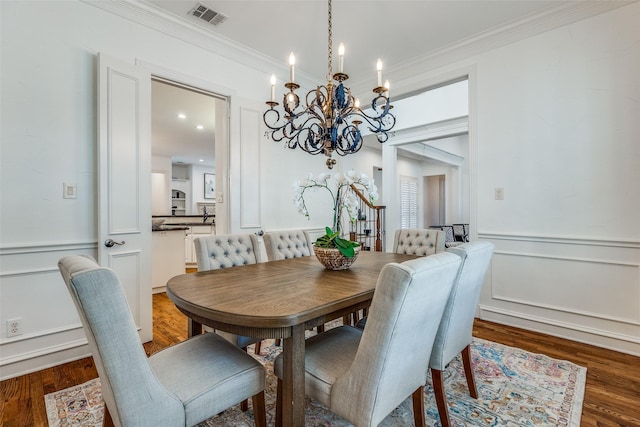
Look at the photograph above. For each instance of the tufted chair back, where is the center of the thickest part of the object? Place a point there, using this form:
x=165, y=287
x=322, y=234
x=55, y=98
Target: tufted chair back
x=287, y=244
x=227, y=250
x=224, y=251
x=418, y=241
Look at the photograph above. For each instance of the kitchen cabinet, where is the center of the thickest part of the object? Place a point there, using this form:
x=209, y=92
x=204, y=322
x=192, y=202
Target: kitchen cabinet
x=178, y=202
x=167, y=258
x=191, y=234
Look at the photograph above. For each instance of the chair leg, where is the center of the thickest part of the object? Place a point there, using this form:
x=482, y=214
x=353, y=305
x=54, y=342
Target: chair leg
x=441, y=399
x=320, y=329
x=259, y=410
x=468, y=371
x=418, y=407
x=244, y=405
x=279, y=404
x=277, y=342
x=107, y=421
x=257, y=347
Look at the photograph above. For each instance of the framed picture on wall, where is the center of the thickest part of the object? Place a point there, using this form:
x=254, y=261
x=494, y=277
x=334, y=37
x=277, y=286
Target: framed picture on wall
x=209, y=186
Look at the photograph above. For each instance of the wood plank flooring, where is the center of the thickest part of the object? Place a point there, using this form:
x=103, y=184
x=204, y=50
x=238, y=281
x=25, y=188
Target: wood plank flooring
x=612, y=395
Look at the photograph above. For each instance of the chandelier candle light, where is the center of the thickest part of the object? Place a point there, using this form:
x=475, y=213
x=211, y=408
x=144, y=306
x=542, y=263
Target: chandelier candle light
x=330, y=119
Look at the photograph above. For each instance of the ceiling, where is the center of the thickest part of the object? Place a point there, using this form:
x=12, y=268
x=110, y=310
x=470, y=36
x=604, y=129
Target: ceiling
x=397, y=31
x=179, y=138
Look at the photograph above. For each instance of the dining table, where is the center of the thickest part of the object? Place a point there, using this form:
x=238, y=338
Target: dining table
x=279, y=299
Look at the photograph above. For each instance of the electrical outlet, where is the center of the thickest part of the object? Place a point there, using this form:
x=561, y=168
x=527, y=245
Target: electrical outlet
x=14, y=327
x=499, y=193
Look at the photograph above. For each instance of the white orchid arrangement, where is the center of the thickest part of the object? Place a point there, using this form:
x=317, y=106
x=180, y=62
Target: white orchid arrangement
x=343, y=199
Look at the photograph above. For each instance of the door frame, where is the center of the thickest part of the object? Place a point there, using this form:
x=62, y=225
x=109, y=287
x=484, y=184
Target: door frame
x=223, y=176
x=390, y=153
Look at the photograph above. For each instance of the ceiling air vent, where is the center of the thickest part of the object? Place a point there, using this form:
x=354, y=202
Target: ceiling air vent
x=206, y=14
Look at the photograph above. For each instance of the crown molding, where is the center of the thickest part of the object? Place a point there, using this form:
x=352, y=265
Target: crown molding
x=563, y=14
x=166, y=23
x=557, y=16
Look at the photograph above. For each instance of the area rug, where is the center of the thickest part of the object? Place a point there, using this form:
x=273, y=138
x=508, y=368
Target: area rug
x=515, y=388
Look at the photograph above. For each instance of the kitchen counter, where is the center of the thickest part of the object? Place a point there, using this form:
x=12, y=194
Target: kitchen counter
x=181, y=222
x=170, y=228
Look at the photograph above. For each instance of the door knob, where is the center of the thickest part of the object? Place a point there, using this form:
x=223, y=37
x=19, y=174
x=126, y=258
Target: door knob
x=110, y=243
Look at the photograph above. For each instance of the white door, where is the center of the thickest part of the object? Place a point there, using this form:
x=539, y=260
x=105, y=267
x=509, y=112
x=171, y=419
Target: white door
x=124, y=184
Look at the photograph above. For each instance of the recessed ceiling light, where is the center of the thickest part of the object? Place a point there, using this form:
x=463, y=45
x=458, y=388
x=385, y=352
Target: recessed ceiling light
x=182, y=116
x=201, y=160
x=199, y=127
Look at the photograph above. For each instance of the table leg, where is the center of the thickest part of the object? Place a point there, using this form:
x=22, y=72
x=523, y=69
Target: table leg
x=293, y=378
x=193, y=328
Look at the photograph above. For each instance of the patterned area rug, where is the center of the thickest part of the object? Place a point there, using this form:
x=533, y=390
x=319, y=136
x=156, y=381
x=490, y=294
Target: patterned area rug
x=515, y=387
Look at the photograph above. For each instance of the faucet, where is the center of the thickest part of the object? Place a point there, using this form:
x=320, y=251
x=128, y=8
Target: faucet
x=205, y=214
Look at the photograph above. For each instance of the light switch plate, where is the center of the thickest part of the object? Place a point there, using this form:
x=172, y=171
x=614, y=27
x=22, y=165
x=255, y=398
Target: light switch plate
x=69, y=191
x=499, y=193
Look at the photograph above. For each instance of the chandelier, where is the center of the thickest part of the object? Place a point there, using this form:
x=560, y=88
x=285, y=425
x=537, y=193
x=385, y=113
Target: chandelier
x=329, y=120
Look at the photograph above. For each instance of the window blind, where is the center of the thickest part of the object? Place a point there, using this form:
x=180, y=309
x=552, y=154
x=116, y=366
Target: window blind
x=409, y=201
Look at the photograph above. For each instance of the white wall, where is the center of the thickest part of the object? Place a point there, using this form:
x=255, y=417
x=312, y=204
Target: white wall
x=554, y=121
x=161, y=195
x=441, y=103
x=197, y=186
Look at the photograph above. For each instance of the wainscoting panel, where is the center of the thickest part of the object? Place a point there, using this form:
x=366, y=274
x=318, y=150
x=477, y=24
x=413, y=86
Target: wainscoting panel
x=557, y=283
x=580, y=288
x=33, y=290
x=250, y=167
x=128, y=265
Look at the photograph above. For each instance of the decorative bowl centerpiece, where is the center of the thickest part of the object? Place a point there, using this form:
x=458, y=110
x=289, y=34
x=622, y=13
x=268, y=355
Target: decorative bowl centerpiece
x=334, y=252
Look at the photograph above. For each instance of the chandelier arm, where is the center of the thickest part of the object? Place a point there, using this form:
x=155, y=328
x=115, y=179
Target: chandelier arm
x=377, y=123
x=301, y=136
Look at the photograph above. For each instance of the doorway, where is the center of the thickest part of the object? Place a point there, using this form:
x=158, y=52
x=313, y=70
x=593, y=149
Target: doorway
x=435, y=203
x=186, y=124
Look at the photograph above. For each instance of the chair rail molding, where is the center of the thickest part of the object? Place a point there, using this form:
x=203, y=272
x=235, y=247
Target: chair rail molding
x=571, y=240
x=38, y=247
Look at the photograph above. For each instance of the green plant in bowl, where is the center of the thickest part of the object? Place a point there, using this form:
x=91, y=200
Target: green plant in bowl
x=332, y=239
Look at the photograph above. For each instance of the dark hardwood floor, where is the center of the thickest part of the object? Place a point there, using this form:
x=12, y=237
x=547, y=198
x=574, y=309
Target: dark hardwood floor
x=612, y=395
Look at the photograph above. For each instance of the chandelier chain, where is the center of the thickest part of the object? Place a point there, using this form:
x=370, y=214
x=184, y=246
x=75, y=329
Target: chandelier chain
x=329, y=46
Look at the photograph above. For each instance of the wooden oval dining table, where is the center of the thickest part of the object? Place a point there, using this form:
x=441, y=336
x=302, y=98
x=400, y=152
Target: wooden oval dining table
x=279, y=299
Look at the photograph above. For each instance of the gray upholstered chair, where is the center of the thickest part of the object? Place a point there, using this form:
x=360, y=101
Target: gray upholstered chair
x=181, y=385
x=224, y=251
x=287, y=244
x=449, y=236
x=460, y=232
x=454, y=333
x=418, y=241
x=363, y=375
